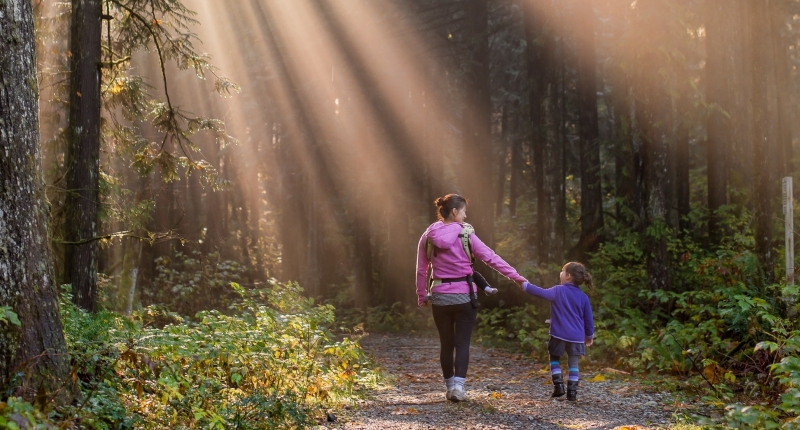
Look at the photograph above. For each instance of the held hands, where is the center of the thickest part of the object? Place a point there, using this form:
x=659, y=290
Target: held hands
x=521, y=284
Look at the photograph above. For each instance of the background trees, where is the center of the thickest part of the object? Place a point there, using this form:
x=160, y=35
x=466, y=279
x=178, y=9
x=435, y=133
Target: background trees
x=566, y=123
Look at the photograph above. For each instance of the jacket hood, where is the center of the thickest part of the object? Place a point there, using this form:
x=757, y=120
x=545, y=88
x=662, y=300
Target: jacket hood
x=444, y=235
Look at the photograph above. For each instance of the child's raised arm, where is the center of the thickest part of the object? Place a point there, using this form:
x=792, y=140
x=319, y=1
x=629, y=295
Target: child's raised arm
x=548, y=294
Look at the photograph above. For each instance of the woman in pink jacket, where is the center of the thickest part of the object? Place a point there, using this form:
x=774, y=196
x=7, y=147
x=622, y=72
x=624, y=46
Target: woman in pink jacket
x=453, y=310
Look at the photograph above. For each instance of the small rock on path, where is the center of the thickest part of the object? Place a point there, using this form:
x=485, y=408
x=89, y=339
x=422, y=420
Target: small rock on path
x=506, y=391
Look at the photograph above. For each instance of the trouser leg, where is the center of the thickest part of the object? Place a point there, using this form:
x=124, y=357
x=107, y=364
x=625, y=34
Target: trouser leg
x=445, y=325
x=464, y=323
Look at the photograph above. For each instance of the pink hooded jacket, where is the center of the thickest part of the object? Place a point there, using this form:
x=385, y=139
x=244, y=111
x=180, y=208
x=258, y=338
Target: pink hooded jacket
x=450, y=261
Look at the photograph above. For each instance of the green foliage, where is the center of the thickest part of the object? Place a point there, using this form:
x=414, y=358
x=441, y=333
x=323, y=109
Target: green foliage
x=7, y=316
x=396, y=318
x=271, y=363
x=17, y=414
x=187, y=284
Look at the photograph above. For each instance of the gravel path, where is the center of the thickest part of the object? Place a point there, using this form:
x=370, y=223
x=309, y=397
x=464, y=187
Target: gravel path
x=506, y=391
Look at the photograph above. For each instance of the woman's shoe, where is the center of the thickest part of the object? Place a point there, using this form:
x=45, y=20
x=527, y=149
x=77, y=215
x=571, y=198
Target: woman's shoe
x=451, y=383
x=458, y=394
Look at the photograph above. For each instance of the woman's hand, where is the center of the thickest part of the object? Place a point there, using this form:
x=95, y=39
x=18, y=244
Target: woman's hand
x=589, y=341
x=521, y=284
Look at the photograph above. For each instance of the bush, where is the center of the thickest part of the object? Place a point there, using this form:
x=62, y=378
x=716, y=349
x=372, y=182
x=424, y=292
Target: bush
x=271, y=363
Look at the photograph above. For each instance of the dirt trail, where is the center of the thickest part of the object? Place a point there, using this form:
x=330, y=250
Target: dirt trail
x=506, y=391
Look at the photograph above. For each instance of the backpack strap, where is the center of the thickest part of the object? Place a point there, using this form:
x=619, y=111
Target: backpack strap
x=466, y=231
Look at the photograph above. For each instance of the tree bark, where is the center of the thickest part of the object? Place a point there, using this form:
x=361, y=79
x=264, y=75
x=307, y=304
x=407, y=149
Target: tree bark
x=652, y=113
x=476, y=172
x=591, y=186
x=83, y=152
x=763, y=172
x=718, y=131
x=37, y=346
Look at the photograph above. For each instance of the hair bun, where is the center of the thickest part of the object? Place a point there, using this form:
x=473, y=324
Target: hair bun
x=439, y=201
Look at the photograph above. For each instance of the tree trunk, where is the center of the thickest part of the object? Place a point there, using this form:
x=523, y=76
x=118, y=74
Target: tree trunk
x=500, y=162
x=783, y=84
x=591, y=186
x=763, y=172
x=718, y=131
x=37, y=346
x=652, y=113
x=476, y=172
x=83, y=153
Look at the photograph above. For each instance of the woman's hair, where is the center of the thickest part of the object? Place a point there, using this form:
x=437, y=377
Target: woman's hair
x=446, y=204
x=579, y=274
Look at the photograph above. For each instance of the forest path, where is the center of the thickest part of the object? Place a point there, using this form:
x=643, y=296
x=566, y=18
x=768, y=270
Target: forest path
x=506, y=391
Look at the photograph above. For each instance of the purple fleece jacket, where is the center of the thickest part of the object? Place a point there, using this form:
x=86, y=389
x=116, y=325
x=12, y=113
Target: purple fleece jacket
x=570, y=311
x=450, y=261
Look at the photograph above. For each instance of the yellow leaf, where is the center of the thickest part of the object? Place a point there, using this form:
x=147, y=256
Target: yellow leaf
x=598, y=378
x=713, y=373
x=496, y=395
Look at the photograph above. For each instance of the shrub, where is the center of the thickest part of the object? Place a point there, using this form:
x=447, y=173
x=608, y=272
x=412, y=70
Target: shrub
x=272, y=362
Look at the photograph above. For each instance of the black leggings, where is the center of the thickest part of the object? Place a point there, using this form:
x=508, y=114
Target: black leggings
x=455, y=323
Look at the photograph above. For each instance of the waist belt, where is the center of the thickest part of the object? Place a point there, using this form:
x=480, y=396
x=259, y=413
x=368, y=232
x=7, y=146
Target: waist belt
x=435, y=282
x=473, y=291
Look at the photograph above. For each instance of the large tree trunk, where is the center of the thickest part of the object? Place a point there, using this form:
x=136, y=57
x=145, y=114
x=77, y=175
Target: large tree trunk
x=718, y=132
x=652, y=113
x=83, y=153
x=37, y=346
x=763, y=167
x=591, y=186
x=476, y=172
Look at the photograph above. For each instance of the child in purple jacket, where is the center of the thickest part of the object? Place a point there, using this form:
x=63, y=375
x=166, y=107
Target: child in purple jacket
x=571, y=324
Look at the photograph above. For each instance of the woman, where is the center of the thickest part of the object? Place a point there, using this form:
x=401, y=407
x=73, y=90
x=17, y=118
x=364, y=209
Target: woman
x=453, y=311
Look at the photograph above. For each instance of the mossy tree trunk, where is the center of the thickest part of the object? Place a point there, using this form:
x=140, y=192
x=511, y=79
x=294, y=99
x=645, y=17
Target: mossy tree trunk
x=26, y=268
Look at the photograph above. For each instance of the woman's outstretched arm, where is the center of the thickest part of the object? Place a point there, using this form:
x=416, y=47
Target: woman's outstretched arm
x=485, y=254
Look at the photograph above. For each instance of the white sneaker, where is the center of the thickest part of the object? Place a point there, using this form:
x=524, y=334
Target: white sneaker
x=458, y=394
x=451, y=383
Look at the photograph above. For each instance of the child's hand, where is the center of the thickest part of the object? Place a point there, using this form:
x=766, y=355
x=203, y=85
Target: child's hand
x=589, y=341
x=521, y=284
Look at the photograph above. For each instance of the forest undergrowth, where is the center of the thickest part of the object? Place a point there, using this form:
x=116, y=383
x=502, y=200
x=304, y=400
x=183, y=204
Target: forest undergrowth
x=270, y=361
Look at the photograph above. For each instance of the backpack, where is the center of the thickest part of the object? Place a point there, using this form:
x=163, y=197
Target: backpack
x=466, y=231
x=430, y=250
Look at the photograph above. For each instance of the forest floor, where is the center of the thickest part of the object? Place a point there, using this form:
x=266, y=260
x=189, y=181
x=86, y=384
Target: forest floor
x=506, y=391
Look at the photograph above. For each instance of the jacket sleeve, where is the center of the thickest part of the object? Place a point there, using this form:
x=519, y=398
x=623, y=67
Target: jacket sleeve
x=588, y=320
x=422, y=270
x=548, y=294
x=485, y=254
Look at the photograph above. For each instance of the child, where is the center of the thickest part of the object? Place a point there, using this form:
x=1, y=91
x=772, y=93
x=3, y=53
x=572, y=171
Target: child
x=571, y=324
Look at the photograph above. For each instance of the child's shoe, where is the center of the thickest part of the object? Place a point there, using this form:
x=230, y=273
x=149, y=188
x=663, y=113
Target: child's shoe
x=572, y=390
x=558, y=386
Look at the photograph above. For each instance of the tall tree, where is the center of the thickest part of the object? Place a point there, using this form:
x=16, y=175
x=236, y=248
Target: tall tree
x=717, y=99
x=83, y=153
x=27, y=284
x=763, y=154
x=591, y=187
x=476, y=173
x=653, y=116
